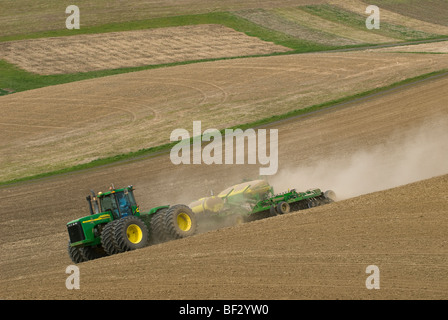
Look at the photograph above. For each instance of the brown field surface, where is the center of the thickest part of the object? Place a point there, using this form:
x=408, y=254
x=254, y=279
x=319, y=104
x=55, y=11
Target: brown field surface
x=303, y=25
x=296, y=27
x=432, y=19
x=436, y=47
x=26, y=16
x=60, y=126
x=322, y=253
x=432, y=11
x=342, y=23
x=115, y=50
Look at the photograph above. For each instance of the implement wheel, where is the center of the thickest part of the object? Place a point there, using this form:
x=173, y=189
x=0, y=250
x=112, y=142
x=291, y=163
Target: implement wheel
x=283, y=207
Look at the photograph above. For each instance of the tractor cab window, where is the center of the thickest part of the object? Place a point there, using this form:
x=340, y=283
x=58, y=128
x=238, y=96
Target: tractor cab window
x=108, y=203
x=124, y=204
x=130, y=195
x=119, y=203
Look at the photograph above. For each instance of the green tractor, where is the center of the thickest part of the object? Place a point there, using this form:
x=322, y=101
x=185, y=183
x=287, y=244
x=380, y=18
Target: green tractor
x=254, y=200
x=116, y=225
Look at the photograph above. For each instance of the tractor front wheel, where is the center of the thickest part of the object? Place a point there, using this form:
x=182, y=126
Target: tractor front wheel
x=108, y=238
x=75, y=254
x=92, y=253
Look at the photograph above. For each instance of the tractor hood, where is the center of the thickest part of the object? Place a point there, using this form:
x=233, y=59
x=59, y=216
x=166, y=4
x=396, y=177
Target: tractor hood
x=82, y=231
x=94, y=219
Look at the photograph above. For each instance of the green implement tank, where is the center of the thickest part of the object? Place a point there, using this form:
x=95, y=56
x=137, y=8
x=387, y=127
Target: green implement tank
x=116, y=224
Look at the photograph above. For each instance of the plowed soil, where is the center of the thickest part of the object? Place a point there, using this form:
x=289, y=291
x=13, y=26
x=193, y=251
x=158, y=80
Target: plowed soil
x=424, y=16
x=26, y=16
x=55, y=127
x=320, y=253
x=438, y=47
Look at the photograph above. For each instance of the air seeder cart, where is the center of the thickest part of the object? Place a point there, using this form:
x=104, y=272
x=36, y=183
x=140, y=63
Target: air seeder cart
x=255, y=200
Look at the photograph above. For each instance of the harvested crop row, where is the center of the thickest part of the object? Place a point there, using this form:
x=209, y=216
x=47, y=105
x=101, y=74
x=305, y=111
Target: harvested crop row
x=83, y=53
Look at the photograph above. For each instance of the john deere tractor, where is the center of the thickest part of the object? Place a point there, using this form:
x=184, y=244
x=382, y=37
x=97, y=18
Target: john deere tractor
x=115, y=225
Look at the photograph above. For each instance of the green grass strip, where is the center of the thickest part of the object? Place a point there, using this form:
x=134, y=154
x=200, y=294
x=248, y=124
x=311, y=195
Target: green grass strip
x=18, y=80
x=165, y=148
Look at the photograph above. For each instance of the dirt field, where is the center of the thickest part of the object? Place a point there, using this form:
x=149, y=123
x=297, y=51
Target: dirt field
x=294, y=27
x=25, y=16
x=55, y=127
x=336, y=33
x=434, y=11
x=418, y=15
x=319, y=25
x=438, y=47
x=321, y=253
x=115, y=50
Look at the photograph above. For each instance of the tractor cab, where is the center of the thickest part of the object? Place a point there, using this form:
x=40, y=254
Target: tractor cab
x=119, y=202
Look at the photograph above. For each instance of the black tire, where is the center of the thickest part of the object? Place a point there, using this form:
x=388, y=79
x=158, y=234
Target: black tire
x=75, y=254
x=180, y=222
x=157, y=232
x=108, y=238
x=273, y=211
x=92, y=253
x=131, y=233
x=283, y=207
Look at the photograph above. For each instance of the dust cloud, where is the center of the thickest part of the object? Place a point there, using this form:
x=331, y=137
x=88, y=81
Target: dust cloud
x=408, y=156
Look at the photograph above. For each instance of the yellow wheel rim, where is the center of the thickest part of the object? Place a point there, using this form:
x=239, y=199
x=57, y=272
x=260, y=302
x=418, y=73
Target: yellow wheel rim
x=184, y=221
x=134, y=233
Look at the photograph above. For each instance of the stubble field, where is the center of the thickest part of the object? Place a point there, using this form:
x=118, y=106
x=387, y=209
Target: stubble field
x=384, y=154
x=84, y=53
x=318, y=253
x=51, y=128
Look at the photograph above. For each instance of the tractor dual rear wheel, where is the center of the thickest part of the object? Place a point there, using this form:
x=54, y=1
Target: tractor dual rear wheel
x=157, y=227
x=180, y=222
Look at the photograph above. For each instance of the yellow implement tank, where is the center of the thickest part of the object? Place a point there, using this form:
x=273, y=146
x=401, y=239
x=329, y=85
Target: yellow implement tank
x=214, y=204
x=208, y=204
x=249, y=189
